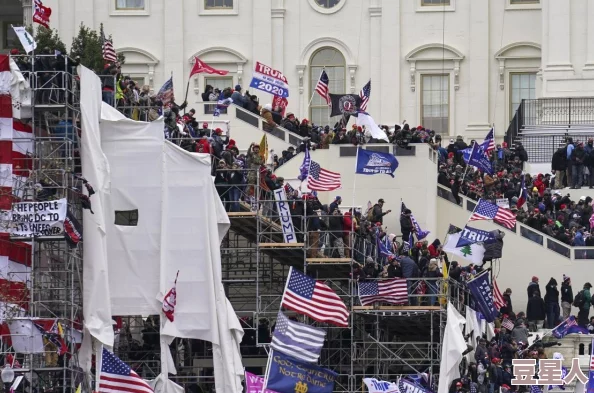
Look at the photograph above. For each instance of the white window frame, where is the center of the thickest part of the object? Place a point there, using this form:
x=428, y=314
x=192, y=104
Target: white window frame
x=113, y=11
x=535, y=5
x=451, y=102
x=202, y=10
x=436, y=8
x=324, y=10
x=510, y=91
x=312, y=84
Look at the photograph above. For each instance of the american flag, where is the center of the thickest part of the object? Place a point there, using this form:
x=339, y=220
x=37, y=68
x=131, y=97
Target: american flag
x=592, y=356
x=320, y=179
x=165, y=93
x=488, y=211
x=498, y=299
x=109, y=53
x=508, y=324
x=535, y=389
x=322, y=87
x=393, y=291
x=490, y=138
x=298, y=340
x=289, y=189
x=116, y=376
x=306, y=296
x=365, y=93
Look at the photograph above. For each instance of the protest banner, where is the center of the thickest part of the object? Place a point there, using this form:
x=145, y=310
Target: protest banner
x=502, y=202
x=280, y=102
x=254, y=383
x=38, y=218
x=269, y=80
x=288, y=375
x=282, y=206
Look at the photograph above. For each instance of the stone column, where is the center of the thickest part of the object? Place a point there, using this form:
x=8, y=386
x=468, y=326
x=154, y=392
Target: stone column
x=262, y=39
x=375, y=48
x=27, y=12
x=557, y=32
x=390, y=65
x=278, y=35
x=174, y=60
x=590, y=37
x=478, y=58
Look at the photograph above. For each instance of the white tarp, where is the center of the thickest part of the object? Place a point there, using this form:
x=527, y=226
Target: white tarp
x=95, y=168
x=179, y=226
x=21, y=94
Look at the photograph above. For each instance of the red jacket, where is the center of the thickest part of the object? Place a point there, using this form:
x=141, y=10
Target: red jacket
x=347, y=222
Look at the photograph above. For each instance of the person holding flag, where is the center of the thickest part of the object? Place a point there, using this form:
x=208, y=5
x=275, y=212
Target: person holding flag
x=523, y=194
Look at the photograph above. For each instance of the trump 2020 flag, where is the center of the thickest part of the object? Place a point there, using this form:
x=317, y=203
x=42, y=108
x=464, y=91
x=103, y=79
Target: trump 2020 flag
x=568, y=326
x=483, y=296
x=283, y=376
x=474, y=252
x=374, y=162
x=470, y=235
x=479, y=159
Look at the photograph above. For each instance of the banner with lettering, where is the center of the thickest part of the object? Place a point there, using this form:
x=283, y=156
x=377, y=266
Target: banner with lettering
x=254, y=383
x=289, y=375
x=280, y=102
x=282, y=206
x=377, y=386
x=38, y=218
x=269, y=80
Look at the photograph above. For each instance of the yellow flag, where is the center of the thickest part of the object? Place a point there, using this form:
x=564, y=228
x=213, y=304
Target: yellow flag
x=264, y=148
x=79, y=388
x=443, y=299
x=60, y=330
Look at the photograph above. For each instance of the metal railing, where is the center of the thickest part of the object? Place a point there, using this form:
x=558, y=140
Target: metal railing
x=540, y=238
x=557, y=111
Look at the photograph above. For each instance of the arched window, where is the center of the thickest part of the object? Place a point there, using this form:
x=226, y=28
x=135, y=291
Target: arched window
x=333, y=61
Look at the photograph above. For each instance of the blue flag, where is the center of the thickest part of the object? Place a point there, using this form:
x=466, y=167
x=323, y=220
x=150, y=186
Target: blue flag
x=483, y=296
x=288, y=375
x=383, y=249
x=568, y=326
x=590, y=387
x=373, y=162
x=479, y=159
x=485, y=145
x=421, y=234
x=470, y=235
x=304, y=168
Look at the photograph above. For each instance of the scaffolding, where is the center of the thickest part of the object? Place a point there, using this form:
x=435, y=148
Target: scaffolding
x=382, y=342
x=47, y=172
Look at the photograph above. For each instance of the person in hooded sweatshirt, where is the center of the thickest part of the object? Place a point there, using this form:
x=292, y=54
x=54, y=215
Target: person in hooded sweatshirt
x=409, y=270
x=552, y=303
x=535, y=311
x=566, y=296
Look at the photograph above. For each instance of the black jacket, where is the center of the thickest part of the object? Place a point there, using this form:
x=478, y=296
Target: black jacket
x=533, y=286
x=406, y=225
x=578, y=156
x=559, y=162
x=566, y=293
x=552, y=295
x=535, y=310
x=378, y=214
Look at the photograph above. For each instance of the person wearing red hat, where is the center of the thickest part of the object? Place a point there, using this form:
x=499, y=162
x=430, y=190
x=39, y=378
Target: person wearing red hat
x=532, y=287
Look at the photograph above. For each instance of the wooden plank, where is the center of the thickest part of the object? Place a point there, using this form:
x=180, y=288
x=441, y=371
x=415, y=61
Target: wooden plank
x=241, y=214
x=285, y=245
x=328, y=261
x=397, y=308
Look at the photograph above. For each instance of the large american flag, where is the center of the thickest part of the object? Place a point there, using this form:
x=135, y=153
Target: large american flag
x=298, y=340
x=322, y=87
x=508, y=324
x=320, y=179
x=488, y=211
x=318, y=301
x=109, y=53
x=393, y=291
x=498, y=299
x=116, y=376
x=165, y=93
x=365, y=93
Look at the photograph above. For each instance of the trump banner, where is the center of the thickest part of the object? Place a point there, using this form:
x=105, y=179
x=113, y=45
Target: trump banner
x=483, y=296
x=374, y=162
x=284, y=213
x=280, y=102
x=288, y=375
x=269, y=80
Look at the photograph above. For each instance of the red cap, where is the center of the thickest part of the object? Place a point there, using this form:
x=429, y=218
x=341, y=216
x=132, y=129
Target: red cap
x=534, y=278
x=205, y=125
x=219, y=131
x=458, y=383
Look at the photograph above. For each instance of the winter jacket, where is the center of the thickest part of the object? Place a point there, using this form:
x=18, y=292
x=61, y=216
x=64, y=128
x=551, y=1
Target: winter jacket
x=508, y=308
x=378, y=214
x=588, y=298
x=535, y=310
x=267, y=115
x=533, y=286
x=409, y=268
x=552, y=293
x=520, y=334
x=406, y=225
x=494, y=250
x=578, y=156
x=566, y=293
x=559, y=162
x=433, y=253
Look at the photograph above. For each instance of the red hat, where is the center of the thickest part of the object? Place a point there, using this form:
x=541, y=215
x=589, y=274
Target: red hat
x=231, y=143
x=563, y=206
x=359, y=128
x=205, y=125
x=14, y=51
x=305, y=121
x=458, y=383
x=495, y=360
x=534, y=278
x=219, y=131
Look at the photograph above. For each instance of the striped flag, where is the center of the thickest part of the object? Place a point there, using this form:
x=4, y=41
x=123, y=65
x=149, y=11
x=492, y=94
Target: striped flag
x=318, y=301
x=116, y=376
x=109, y=53
x=508, y=324
x=320, y=179
x=170, y=300
x=498, y=299
x=364, y=94
x=393, y=291
x=322, y=87
x=298, y=340
x=490, y=139
x=165, y=93
x=487, y=211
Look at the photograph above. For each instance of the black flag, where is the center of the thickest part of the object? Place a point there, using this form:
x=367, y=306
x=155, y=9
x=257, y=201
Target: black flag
x=72, y=230
x=344, y=104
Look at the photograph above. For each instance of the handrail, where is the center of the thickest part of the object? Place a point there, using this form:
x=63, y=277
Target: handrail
x=521, y=229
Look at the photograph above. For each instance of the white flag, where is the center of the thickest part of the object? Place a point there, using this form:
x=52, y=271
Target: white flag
x=473, y=252
x=451, y=350
x=364, y=119
x=26, y=40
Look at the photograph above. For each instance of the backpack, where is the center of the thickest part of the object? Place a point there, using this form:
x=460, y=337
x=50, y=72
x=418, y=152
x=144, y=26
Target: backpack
x=579, y=299
x=369, y=216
